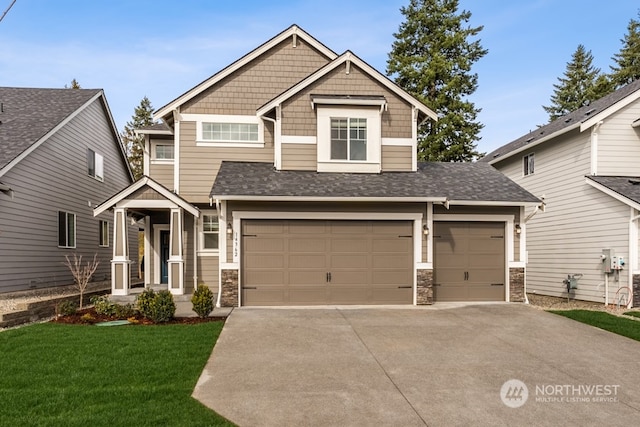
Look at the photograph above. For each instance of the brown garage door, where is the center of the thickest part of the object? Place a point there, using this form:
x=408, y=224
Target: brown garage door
x=309, y=262
x=469, y=261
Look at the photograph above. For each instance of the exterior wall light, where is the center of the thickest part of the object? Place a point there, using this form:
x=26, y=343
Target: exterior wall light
x=518, y=229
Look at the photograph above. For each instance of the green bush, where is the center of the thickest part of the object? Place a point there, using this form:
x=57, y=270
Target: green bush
x=202, y=301
x=103, y=305
x=158, y=307
x=67, y=308
x=123, y=311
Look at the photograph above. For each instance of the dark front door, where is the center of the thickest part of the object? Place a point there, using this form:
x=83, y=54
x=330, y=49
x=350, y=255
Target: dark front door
x=164, y=256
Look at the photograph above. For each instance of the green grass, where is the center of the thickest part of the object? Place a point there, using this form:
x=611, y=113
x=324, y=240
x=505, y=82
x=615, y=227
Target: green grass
x=618, y=325
x=633, y=313
x=71, y=375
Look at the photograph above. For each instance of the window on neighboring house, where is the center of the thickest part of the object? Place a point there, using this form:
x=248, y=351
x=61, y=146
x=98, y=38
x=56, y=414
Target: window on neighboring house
x=66, y=230
x=230, y=132
x=348, y=139
x=95, y=165
x=104, y=233
x=163, y=152
x=210, y=231
x=528, y=164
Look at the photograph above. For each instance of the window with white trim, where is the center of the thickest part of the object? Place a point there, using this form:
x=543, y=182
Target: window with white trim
x=95, y=165
x=66, y=229
x=104, y=234
x=230, y=132
x=210, y=230
x=528, y=164
x=163, y=152
x=227, y=131
x=348, y=139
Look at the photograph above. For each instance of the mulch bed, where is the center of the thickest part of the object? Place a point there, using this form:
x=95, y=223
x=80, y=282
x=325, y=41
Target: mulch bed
x=92, y=318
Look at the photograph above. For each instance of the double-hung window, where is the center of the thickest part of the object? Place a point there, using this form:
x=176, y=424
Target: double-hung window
x=95, y=165
x=163, y=152
x=210, y=232
x=528, y=164
x=66, y=230
x=104, y=234
x=348, y=139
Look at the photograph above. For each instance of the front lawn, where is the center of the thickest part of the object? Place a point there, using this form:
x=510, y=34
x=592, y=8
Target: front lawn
x=600, y=319
x=69, y=375
x=632, y=313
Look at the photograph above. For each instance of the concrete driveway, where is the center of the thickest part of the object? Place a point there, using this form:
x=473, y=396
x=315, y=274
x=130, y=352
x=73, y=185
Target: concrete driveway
x=439, y=365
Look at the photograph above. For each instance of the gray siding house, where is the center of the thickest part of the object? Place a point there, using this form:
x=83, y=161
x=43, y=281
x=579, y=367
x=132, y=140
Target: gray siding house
x=586, y=167
x=290, y=178
x=60, y=155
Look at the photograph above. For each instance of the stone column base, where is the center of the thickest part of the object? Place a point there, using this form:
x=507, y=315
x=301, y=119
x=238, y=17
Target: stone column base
x=636, y=290
x=516, y=284
x=424, y=287
x=229, y=295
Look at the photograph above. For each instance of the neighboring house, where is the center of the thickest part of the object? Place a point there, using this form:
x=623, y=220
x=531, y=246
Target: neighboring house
x=585, y=166
x=290, y=178
x=60, y=155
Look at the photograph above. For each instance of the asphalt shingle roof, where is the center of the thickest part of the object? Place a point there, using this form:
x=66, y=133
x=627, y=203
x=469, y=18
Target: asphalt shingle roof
x=455, y=181
x=626, y=186
x=578, y=116
x=27, y=114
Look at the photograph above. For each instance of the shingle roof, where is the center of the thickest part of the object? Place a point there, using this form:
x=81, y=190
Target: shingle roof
x=454, y=181
x=574, y=118
x=27, y=115
x=626, y=186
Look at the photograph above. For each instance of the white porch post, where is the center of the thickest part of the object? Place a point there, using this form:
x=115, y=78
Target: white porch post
x=120, y=267
x=176, y=259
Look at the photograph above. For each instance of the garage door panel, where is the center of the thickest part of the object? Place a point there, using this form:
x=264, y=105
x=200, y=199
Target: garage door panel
x=391, y=260
x=305, y=278
x=311, y=228
x=274, y=244
x=262, y=296
x=264, y=277
x=399, y=277
x=308, y=244
x=349, y=227
x=393, y=228
x=486, y=245
x=483, y=261
x=347, y=277
x=307, y=260
x=264, y=227
x=267, y=261
x=349, y=245
x=349, y=261
x=392, y=296
x=307, y=295
x=396, y=244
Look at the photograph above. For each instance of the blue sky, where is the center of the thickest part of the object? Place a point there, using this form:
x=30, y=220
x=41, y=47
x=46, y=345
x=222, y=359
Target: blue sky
x=160, y=49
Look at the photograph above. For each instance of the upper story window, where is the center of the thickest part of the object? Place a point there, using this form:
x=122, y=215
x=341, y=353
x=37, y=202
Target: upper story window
x=528, y=164
x=216, y=130
x=95, y=165
x=348, y=139
x=104, y=234
x=66, y=230
x=210, y=230
x=162, y=153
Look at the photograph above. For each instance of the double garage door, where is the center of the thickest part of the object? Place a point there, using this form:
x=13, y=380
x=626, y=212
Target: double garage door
x=307, y=262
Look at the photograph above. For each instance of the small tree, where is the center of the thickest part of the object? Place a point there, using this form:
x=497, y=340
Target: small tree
x=81, y=273
x=74, y=85
x=627, y=68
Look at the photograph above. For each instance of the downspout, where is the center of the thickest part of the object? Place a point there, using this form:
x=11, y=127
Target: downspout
x=195, y=253
x=276, y=140
x=633, y=253
x=217, y=203
x=594, y=148
x=523, y=234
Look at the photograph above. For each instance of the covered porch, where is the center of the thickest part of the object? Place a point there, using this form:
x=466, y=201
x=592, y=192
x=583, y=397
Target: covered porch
x=166, y=217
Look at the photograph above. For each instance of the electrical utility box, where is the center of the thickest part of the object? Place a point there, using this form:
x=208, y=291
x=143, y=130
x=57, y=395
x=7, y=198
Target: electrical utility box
x=611, y=262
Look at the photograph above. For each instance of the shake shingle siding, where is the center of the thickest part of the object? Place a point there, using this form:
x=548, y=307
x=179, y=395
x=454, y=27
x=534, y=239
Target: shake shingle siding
x=54, y=178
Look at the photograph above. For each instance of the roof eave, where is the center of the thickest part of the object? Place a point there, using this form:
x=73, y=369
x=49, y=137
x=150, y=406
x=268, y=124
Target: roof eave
x=612, y=193
x=586, y=124
x=327, y=199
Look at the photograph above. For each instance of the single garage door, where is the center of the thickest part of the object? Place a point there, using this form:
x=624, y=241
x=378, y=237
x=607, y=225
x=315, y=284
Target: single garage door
x=469, y=261
x=311, y=262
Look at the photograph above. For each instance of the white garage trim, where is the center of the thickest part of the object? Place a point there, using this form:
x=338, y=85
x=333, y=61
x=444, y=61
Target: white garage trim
x=238, y=216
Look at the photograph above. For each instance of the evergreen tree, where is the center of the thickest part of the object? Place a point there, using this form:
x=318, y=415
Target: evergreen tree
x=582, y=83
x=74, y=85
x=627, y=68
x=431, y=58
x=134, y=144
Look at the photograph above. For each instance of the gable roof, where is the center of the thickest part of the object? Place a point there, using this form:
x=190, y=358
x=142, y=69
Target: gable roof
x=623, y=188
x=342, y=59
x=154, y=185
x=28, y=116
x=455, y=183
x=293, y=30
x=582, y=118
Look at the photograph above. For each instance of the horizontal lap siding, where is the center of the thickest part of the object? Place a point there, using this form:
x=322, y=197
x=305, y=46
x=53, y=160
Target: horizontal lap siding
x=163, y=174
x=619, y=143
x=52, y=178
x=299, y=156
x=579, y=221
x=396, y=158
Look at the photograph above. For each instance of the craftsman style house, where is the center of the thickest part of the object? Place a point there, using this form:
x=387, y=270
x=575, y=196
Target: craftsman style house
x=290, y=178
x=60, y=155
x=586, y=167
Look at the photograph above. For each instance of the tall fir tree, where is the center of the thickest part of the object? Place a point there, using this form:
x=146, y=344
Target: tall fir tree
x=134, y=144
x=74, y=85
x=582, y=83
x=431, y=58
x=627, y=68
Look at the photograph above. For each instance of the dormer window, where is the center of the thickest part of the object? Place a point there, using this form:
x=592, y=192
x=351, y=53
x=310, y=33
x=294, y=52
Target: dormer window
x=348, y=139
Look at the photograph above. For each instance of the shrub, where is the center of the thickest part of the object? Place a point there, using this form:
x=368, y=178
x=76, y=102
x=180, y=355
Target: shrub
x=202, y=301
x=67, y=308
x=123, y=311
x=159, y=307
x=103, y=305
x=88, y=318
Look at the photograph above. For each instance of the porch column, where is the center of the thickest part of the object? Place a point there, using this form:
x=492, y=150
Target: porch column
x=120, y=267
x=176, y=260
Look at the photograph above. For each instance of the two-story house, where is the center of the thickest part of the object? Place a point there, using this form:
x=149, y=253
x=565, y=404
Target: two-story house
x=60, y=155
x=290, y=178
x=585, y=166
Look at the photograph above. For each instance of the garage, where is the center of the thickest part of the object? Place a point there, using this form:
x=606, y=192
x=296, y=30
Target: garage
x=317, y=262
x=469, y=261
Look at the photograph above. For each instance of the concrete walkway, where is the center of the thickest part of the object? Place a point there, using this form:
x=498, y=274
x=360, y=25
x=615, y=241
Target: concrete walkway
x=439, y=365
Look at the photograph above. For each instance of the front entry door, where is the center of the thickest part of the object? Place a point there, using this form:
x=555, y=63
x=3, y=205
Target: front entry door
x=164, y=256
